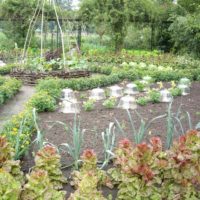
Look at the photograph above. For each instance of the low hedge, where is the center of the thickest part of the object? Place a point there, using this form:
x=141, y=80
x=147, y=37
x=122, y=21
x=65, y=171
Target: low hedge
x=8, y=88
x=6, y=69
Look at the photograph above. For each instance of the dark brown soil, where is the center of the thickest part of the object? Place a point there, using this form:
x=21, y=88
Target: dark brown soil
x=96, y=121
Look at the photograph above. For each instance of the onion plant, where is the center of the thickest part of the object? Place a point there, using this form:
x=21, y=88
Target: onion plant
x=108, y=138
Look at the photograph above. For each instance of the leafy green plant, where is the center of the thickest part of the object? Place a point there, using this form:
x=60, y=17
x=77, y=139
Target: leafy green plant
x=42, y=102
x=146, y=171
x=7, y=162
x=48, y=159
x=10, y=188
x=142, y=101
x=110, y=103
x=40, y=187
x=175, y=92
x=140, y=86
x=74, y=149
x=136, y=172
x=154, y=96
x=87, y=180
x=89, y=105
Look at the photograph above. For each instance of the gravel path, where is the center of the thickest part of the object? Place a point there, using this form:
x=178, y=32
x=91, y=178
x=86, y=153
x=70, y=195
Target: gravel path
x=16, y=104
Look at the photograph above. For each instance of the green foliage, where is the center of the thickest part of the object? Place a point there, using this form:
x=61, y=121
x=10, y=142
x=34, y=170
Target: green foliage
x=142, y=101
x=8, y=89
x=52, y=86
x=175, y=92
x=89, y=105
x=185, y=34
x=19, y=13
x=6, y=160
x=141, y=85
x=145, y=171
x=108, y=138
x=10, y=188
x=42, y=101
x=87, y=180
x=74, y=148
x=110, y=103
x=39, y=187
x=18, y=132
x=154, y=96
x=5, y=42
x=48, y=159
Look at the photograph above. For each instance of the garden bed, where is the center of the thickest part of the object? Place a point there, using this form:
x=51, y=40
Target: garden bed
x=96, y=121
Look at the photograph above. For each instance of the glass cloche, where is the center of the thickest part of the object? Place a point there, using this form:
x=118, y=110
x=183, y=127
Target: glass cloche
x=97, y=94
x=127, y=102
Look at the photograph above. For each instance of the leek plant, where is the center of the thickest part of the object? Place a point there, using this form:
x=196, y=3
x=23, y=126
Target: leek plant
x=74, y=149
x=108, y=138
x=138, y=134
x=39, y=140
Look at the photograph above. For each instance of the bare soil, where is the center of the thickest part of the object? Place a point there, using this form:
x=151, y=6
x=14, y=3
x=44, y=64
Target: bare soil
x=96, y=121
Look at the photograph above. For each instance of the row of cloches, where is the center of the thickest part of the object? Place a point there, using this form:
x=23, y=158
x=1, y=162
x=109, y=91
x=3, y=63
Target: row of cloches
x=70, y=104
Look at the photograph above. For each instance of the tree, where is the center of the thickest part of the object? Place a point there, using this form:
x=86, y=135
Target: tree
x=18, y=14
x=190, y=6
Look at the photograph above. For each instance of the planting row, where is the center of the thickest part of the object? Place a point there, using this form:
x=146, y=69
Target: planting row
x=51, y=88
x=140, y=171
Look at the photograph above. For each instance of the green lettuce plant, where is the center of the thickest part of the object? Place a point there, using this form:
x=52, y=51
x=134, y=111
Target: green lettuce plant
x=48, y=159
x=7, y=162
x=9, y=187
x=137, y=172
x=39, y=187
x=89, y=178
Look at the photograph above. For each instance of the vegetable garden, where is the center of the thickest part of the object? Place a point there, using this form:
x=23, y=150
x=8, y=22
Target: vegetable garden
x=105, y=119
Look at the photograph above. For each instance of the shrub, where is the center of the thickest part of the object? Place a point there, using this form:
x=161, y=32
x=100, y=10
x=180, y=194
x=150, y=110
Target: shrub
x=42, y=101
x=52, y=86
x=5, y=69
x=8, y=89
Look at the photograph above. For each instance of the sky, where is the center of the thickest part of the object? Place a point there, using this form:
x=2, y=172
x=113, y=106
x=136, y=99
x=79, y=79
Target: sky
x=75, y=3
